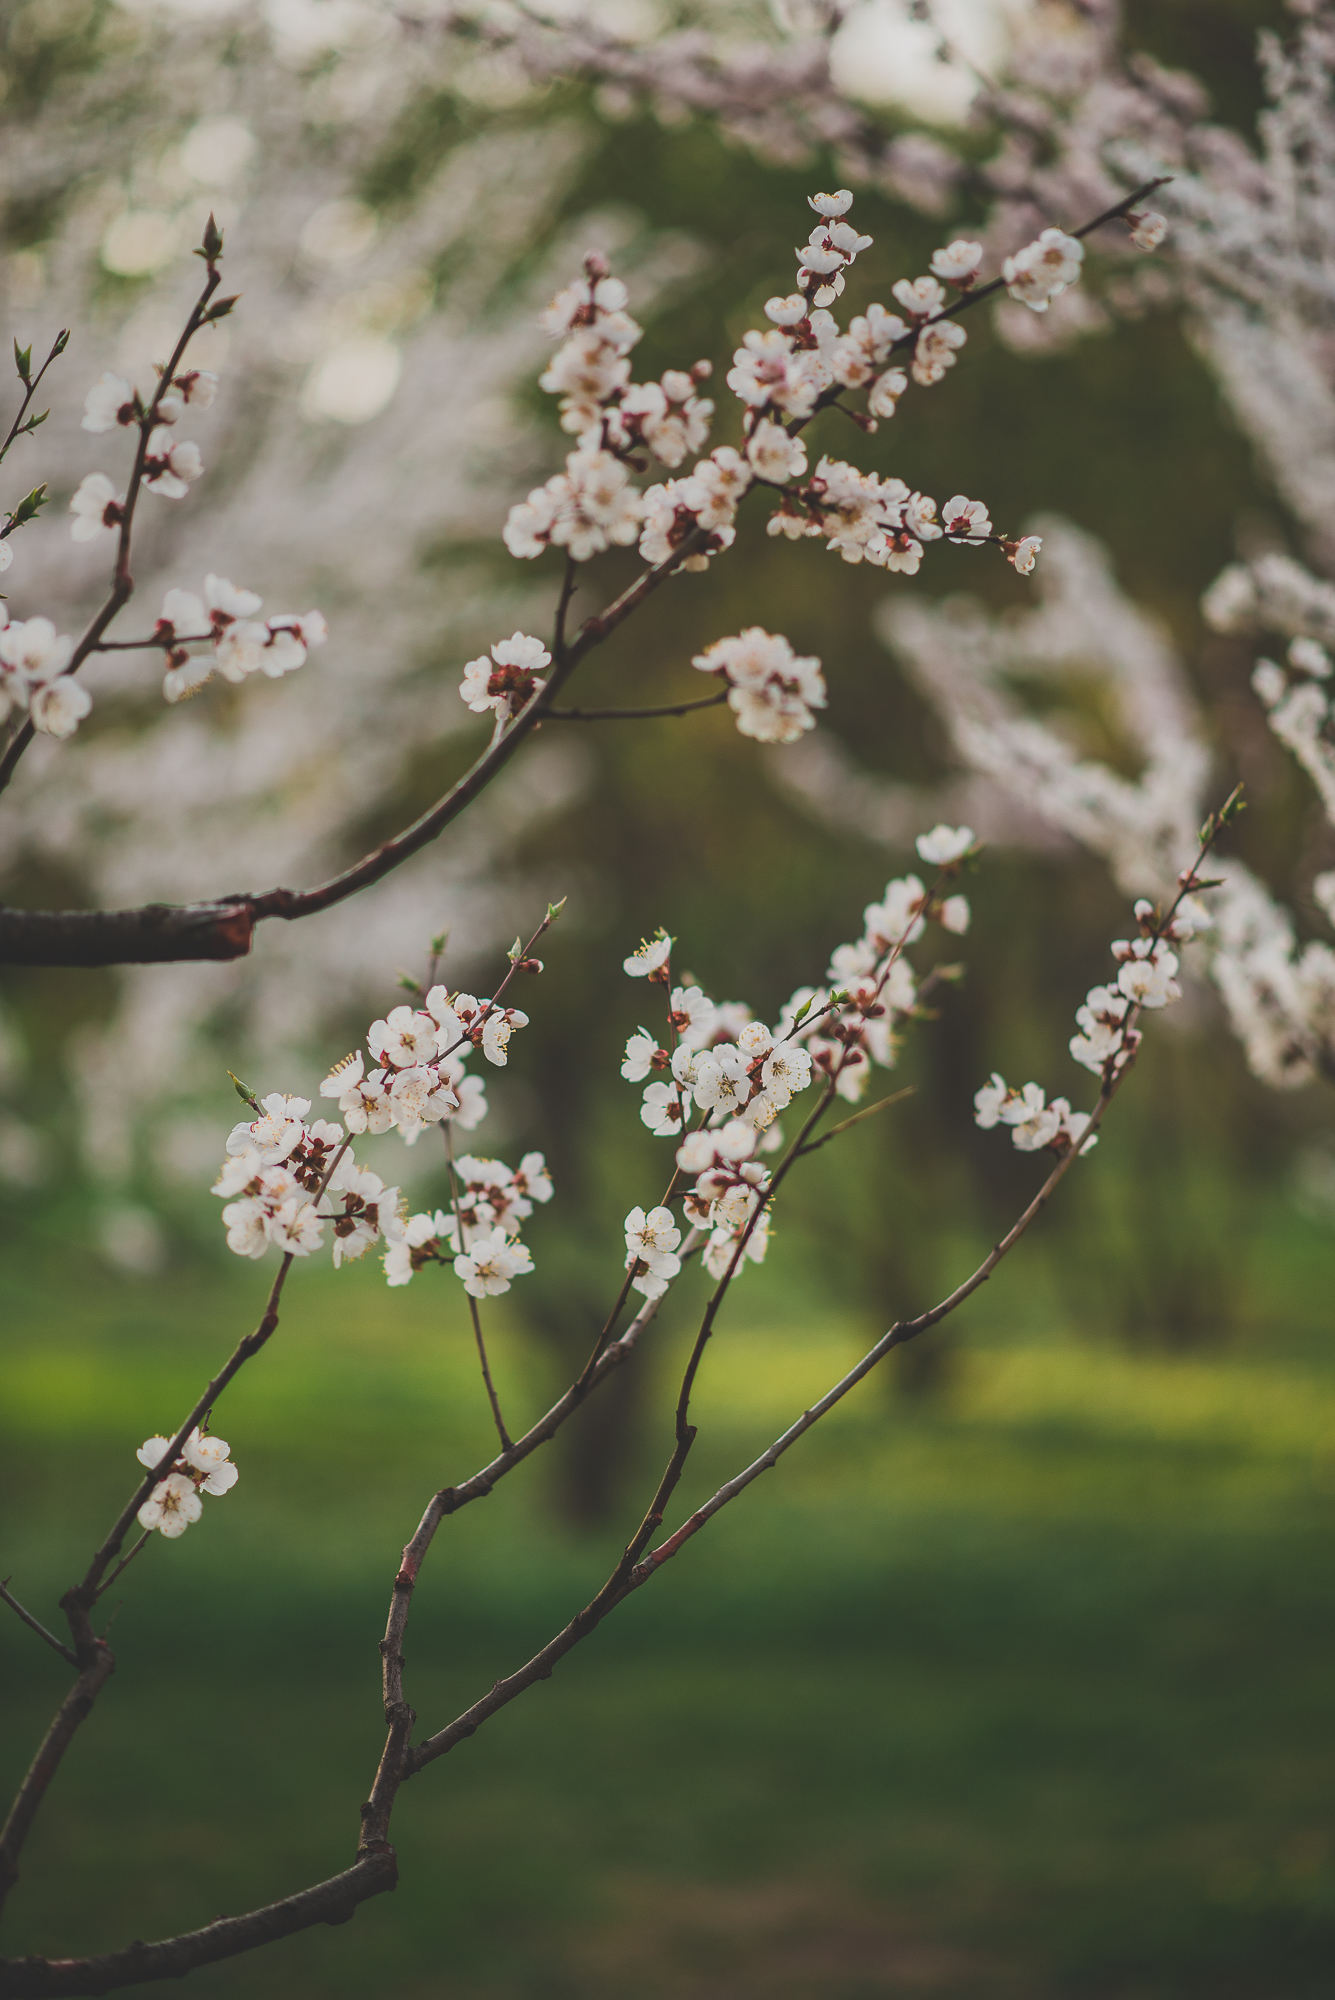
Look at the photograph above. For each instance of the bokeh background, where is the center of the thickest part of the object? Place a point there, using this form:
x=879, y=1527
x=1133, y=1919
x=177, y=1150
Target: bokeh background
x=1015, y=1679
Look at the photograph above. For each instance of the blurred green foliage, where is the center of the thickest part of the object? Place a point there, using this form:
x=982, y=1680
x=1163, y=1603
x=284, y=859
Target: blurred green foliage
x=1024, y=1694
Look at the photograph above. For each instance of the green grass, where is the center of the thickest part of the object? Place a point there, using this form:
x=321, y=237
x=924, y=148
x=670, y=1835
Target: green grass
x=1023, y=1690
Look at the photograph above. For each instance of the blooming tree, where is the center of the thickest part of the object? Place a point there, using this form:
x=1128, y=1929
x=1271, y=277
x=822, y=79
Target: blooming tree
x=740, y=1102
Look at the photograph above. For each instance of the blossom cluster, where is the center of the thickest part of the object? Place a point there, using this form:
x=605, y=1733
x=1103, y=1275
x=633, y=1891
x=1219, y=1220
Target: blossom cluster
x=478, y=1237
x=1044, y=269
x=224, y=619
x=280, y=1168
x=420, y=1052
x=204, y=1465
x=33, y=659
x=782, y=375
x=1108, y=1038
x=771, y=690
x=171, y=465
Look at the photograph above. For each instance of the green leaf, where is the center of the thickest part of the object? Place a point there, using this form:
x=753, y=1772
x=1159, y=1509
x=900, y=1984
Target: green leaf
x=221, y=310
x=61, y=342
x=554, y=910
x=23, y=362
x=29, y=507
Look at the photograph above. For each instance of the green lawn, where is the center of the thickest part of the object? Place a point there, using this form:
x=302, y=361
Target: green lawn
x=1023, y=1690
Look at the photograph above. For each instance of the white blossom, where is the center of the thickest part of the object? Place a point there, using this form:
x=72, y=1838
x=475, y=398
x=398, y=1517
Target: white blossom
x=58, y=707
x=1041, y=272
x=170, y=468
x=958, y=263
x=773, y=455
x=920, y=297
x=935, y=349
x=489, y=1265
x=109, y=402
x=1148, y=231
x=642, y=1050
x=172, y=1506
x=650, y=957
x=945, y=844
x=772, y=690
x=95, y=505
x=967, y=519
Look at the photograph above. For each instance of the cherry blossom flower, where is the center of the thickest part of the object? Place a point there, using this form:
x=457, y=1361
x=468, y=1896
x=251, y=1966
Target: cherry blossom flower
x=421, y=1240
x=1148, y=980
x=935, y=351
x=197, y=386
x=661, y=1110
x=170, y=468
x=95, y=505
x=275, y=1132
x=1024, y=553
x=642, y=1055
x=211, y=1457
x=945, y=844
x=693, y=1014
x=920, y=297
x=954, y=914
x=404, y=1038
x=58, y=707
x=1148, y=231
x=651, y=1241
x=172, y=1506
x=959, y=262
x=773, y=455
x=886, y=390
x=965, y=519
x=492, y=1262
x=496, y=1032
x=1042, y=271
x=772, y=691
x=650, y=957
x=109, y=402
x=831, y=205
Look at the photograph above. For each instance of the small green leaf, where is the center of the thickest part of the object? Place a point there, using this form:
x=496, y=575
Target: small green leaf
x=554, y=910
x=439, y=942
x=243, y=1090
x=61, y=342
x=23, y=362
x=408, y=983
x=220, y=311
x=29, y=507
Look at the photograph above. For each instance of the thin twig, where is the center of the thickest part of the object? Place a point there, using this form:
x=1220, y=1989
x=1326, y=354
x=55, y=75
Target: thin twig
x=35, y=1625
x=845, y=1124
x=124, y=1563
x=633, y=714
x=492, y=1397
x=122, y=584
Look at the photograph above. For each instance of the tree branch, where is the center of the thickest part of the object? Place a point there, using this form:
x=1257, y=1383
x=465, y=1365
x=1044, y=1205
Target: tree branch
x=333, y=1902
x=35, y=1625
x=224, y=928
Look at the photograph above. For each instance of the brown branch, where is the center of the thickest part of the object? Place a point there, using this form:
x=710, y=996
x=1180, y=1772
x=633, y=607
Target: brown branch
x=122, y=583
x=99, y=1664
x=35, y=1625
x=633, y=714
x=224, y=928
x=846, y=1124
x=490, y=1386
x=333, y=1902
